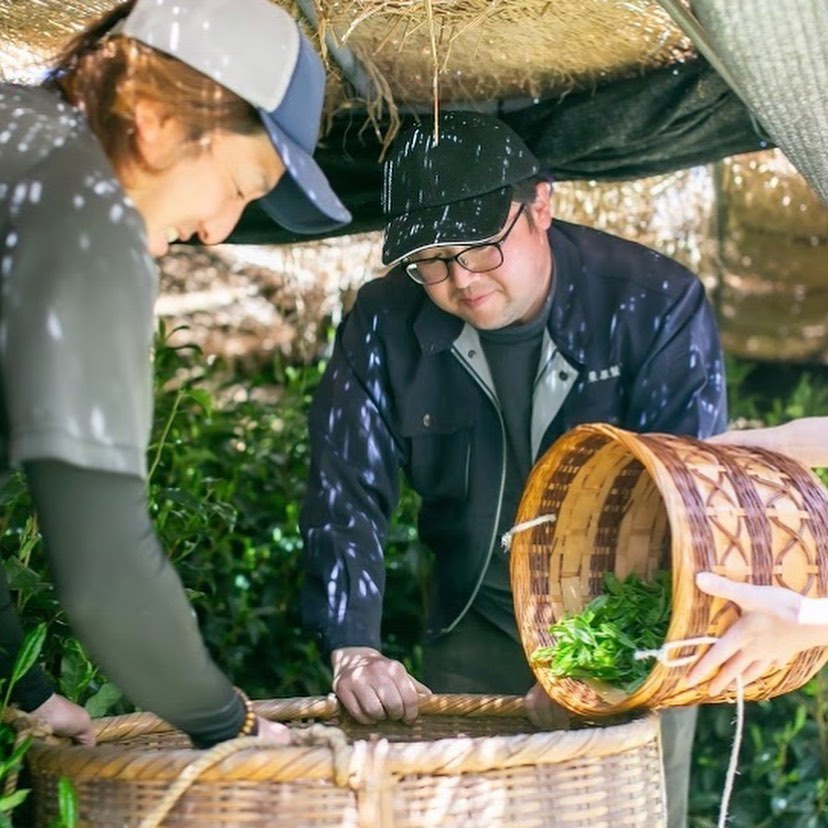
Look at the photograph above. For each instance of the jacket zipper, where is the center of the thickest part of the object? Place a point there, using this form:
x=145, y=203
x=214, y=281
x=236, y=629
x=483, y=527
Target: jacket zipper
x=493, y=539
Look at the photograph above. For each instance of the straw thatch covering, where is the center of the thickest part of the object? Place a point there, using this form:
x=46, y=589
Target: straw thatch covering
x=773, y=296
x=528, y=48
x=471, y=50
x=749, y=226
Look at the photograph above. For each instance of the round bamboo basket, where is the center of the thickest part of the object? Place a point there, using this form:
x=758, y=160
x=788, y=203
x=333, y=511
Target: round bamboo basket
x=467, y=760
x=626, y=502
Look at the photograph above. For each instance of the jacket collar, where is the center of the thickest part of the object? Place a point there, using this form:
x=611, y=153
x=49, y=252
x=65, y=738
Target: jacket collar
x=436, y=330
x=567, y=324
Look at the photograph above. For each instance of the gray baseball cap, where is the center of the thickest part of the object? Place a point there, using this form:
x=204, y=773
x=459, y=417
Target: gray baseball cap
x=256, y=49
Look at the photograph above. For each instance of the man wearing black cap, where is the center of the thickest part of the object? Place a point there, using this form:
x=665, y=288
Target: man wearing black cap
x=495, y=332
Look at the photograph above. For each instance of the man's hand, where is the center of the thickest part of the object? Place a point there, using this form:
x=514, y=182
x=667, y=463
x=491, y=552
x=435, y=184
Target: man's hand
x=66, y=719
x=543, y=712
x=372, y=687
x=772, y=629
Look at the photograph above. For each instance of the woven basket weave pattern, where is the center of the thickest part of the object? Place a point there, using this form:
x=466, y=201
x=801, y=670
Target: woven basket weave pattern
x=638, y=503
x=468, y=760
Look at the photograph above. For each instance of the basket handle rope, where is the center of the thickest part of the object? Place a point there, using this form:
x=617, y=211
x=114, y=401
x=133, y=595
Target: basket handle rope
x=316, y=734
x=26, y=727
x=506, y=537
x=361, y=766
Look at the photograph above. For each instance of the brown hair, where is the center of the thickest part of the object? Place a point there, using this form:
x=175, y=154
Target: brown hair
x=526, y=191
x=105, y=74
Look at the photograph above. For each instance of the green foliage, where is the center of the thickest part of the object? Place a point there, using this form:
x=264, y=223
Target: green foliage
x=226, y=494
x=12, y=749
x=67, y=806
x=600, y=642
x=27, y=573
x=228, y=473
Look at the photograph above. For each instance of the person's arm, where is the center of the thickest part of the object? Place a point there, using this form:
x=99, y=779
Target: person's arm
x=125, y=602
x=680, y=388
x=775, y=624
x=805, y=439
x=352, y=490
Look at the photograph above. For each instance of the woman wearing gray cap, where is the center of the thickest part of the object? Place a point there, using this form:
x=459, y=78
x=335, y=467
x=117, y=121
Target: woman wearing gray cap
x=159, y=123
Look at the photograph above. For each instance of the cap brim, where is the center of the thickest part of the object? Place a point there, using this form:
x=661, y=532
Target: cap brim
x=462, y=222
x=303, y=200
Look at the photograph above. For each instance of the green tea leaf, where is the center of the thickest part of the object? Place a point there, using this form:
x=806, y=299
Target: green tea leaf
x=600, y=642
x=67, y=803
x=10, y=801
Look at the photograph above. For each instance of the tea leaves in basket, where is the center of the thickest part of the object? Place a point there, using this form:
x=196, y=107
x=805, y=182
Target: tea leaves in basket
x=599, y=643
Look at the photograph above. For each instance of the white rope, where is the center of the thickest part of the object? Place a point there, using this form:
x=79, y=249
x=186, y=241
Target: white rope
x=734, y=753
x=662, y=654
x=506, y=538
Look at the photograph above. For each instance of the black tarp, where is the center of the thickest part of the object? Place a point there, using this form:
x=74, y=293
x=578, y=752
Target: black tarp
x=665, y=120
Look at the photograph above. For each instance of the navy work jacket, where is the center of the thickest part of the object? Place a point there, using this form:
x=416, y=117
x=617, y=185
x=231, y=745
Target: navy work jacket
x=631, y=340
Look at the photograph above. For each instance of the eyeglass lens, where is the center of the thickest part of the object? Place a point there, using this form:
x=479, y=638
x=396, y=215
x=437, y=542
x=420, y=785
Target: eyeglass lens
x=478, y=258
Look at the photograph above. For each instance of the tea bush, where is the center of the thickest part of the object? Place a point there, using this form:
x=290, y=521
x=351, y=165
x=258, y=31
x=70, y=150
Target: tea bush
x=226, y=485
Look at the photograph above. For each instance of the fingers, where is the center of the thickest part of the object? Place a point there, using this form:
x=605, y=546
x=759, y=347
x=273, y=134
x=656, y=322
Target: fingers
x=726, y=661
x=421, y=689
x=372, y=687
x=86, y=737
x=371, y=703
x=273, y=731
x=723, y=650
x=66, y=719
x=721, y=587
x=731, y=670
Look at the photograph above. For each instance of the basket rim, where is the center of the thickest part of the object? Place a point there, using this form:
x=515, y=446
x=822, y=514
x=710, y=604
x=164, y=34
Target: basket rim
x=282, y=763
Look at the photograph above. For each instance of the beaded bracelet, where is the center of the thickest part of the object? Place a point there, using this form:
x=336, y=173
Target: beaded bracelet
x=250, y=725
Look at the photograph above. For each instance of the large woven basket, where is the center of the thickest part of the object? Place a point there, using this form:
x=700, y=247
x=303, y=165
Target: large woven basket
x=467, y=761
x=623, y=502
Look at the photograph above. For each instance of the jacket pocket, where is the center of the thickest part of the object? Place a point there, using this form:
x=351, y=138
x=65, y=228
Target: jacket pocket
x=439, y=456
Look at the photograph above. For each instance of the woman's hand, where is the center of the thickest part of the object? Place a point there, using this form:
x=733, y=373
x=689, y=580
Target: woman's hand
x=775, y=624
x=803, y=439
x=66, y=719
x=273, y=731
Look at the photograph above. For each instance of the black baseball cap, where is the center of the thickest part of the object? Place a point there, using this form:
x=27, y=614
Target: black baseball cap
x=452, y=188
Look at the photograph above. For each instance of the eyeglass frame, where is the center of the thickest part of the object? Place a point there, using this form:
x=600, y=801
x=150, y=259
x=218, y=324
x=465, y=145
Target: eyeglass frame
x=411, y=267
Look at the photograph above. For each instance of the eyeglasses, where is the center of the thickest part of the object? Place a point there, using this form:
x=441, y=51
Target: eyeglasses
x=477, y=258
